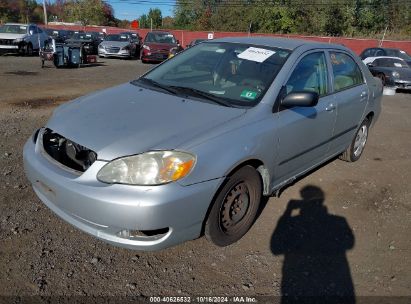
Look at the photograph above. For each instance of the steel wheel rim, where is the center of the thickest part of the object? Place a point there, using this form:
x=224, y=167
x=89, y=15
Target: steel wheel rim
x=235, y=207
x=360, y=140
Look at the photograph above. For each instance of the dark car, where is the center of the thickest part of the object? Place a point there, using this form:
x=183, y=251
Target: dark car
x=158, y=45
x=60, y=36
x=195, y=41
x=392, y=71
x=88, y=41
x=376, y=52
x=135, y=38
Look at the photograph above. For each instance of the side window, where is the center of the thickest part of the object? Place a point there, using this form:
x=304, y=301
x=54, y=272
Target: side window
x=346, y=71
x=379, y=53
x=367, y=53
x=310, y=74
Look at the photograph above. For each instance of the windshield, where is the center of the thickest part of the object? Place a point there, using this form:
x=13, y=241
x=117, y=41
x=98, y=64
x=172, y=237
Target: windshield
x=13, y=29
x=160, y=38
x=398, y=53
x=81, y=36
x=237, y=74
x=116, y=38
x=391, y=62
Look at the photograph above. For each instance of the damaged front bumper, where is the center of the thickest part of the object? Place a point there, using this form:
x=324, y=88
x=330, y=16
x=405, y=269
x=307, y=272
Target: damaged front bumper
x=135, y=217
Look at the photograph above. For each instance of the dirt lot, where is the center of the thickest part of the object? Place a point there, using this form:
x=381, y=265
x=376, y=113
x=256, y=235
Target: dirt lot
x=42, y=255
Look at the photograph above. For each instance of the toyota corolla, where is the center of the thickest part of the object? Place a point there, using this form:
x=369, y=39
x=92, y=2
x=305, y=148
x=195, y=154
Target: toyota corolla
x=192, y=146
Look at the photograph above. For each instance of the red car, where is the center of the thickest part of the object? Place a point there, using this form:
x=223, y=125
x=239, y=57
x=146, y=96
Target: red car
x=158, y=45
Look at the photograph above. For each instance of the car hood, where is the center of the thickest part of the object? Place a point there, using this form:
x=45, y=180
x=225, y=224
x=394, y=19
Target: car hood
x=160, y=46
x=12, y=36
x=128, y=119
x=115, y=43
x=79, y=41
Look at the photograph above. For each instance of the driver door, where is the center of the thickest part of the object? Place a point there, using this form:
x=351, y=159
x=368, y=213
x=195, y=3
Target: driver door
x=305, y=133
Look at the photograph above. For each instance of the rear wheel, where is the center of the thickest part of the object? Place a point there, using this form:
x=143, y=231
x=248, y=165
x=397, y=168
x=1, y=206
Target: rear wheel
x=235, y=207
x=356, y=148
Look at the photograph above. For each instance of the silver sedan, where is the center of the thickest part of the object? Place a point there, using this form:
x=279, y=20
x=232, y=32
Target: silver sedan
x=117, y=46
x=192, y=146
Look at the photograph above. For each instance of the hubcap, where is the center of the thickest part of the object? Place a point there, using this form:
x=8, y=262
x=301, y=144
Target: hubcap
x=360, y=140
x=235, y=206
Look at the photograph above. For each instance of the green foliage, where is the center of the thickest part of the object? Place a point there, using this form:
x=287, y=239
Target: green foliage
x=313, y=17
x=154, y=16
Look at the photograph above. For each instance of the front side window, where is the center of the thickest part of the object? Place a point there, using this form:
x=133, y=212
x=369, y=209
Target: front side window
x=234, y=73
x=310, y=74
x=346, y=72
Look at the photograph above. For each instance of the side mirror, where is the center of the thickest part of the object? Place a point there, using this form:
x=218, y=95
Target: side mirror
x=369, y=64
x=300, y=99
x=31, y=32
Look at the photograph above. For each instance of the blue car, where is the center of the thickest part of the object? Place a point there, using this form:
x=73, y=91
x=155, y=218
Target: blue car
x=191, y=147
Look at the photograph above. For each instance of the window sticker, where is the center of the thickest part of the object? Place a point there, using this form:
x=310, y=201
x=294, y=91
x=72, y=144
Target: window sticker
x=402, y=52
x=398, y=65
x=220, y=51
x=256, y=54
x=248, y=94
x=217, y=92
x=23, y=27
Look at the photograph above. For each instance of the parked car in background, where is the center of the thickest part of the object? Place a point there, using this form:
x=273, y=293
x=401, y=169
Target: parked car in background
x=88, y=41
x=190, y=148
x=136, y=39
x=60, y=36
x=195, y=41
x=157, y=46
x=376, y=52
x=393, y=71
x=21, y=38
x=117, y=45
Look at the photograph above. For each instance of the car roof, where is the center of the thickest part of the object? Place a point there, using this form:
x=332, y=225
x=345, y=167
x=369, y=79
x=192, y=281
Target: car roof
x=22, y=24
x=371, y=59
x=284, y=43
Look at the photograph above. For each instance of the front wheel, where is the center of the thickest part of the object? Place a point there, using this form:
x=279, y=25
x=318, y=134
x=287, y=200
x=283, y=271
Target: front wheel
x=235, y=207
x=382, y=77
x=29, y=49
x=356, y=148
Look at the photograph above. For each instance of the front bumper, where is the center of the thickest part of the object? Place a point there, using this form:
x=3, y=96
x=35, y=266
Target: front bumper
x=403, y=84
x=121, y=53
x=106, y=211
x=154, y=56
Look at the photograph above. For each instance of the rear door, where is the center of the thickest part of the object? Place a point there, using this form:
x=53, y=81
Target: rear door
x=350, y=94
x=304, y=132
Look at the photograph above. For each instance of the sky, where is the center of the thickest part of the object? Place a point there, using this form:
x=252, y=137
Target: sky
x=133, y=9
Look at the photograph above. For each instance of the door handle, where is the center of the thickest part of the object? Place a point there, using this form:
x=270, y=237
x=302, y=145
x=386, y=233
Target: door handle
x=331, y=107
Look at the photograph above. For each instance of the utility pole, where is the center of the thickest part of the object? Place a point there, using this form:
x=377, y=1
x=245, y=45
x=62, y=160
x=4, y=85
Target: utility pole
x=45, y=12
x=151, y=24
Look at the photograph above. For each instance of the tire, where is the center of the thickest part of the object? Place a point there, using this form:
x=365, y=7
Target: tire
x=382, y=77
x=29, y=50
x=356, y=148
x=234, y=208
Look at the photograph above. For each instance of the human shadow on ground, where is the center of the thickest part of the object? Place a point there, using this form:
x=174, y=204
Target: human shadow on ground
x=314, y=245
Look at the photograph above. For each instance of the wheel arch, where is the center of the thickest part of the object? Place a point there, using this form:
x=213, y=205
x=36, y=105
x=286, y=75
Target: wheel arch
x=258, y=165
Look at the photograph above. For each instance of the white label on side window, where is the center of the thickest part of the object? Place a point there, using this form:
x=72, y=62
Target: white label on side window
x=398, y=65
x=256, y=54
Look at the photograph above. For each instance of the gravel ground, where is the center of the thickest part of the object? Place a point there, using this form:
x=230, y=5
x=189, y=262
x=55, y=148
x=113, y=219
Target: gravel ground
x=42, y=255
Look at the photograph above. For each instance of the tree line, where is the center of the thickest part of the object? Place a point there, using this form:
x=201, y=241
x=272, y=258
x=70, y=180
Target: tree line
x=313, y=17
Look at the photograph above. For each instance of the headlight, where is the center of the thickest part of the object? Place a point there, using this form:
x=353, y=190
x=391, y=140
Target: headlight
x=146, y=47
x=100, y=46
x=151, y=168
x=395, y=74
x=18, y=40
x=127, y=47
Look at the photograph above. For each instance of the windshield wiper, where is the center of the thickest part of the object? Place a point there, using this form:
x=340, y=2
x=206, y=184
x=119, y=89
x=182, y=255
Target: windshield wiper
x=202, y=94
x=155, y=84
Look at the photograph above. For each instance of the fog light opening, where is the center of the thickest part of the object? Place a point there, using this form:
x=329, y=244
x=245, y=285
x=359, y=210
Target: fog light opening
x=133, y=234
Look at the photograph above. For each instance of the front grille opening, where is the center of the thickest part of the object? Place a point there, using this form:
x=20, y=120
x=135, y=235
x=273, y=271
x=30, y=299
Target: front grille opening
x=67, y=152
